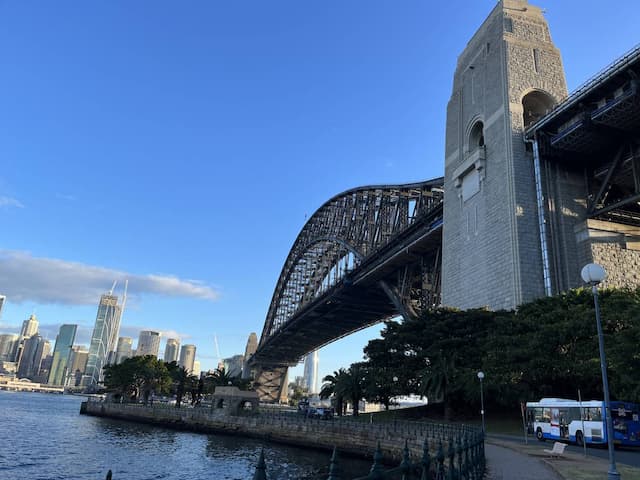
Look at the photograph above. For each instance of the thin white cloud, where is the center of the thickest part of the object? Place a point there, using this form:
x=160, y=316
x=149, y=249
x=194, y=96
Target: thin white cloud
x=25, y=278
x=10, y=202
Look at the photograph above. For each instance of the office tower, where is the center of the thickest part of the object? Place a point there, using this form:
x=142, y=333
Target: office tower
x=45, y=365
x=250, y=349
x=3, y=299
x=196, y=368
x=35, y=349
x=187, y=357
x=148, y=343
x=78, y=365
x=233, y=365
x=171, y=350
x=124, y=350
x=61, y=353
x=29, y=327
x=8, y=344
x=103, y=338
x=311, y=372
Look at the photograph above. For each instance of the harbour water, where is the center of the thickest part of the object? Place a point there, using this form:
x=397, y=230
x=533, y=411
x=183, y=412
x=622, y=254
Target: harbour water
x=45, y=438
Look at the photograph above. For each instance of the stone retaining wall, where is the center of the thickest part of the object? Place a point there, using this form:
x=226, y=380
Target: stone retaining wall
x=356, y=438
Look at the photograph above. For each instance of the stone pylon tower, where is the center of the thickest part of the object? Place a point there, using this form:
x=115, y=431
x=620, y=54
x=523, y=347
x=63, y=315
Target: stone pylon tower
x=509, y=75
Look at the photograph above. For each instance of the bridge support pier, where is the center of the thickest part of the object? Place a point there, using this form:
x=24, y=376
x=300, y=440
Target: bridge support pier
x=271, y=383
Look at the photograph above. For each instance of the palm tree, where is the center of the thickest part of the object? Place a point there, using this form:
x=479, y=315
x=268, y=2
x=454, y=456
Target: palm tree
x=354, y=386
x=333, y=386
x=436, y=380
x=182, y=380
x=345, y=384
x=220, y=378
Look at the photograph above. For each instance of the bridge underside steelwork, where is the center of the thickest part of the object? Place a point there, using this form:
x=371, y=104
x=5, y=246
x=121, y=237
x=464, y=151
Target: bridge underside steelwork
x=366, y=255
x=598, y=129
x=358, y=301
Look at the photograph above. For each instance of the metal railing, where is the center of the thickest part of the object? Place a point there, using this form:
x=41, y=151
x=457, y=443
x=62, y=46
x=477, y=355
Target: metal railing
x=463, y=460
x=441, y=451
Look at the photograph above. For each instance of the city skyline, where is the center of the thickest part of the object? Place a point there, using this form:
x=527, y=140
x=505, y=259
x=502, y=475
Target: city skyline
x=217, y=145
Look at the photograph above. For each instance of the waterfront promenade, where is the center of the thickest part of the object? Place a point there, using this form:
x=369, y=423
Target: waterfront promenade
x=511, y=458
x=441, y=447
x=505, y=459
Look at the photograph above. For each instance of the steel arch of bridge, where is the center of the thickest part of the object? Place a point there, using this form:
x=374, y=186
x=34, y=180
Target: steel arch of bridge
x=340, y=240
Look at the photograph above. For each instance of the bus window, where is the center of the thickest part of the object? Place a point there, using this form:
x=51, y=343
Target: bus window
x=593, y=414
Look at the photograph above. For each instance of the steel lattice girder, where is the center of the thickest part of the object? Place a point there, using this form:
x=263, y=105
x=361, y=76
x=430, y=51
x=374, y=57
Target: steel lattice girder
x=329, y=285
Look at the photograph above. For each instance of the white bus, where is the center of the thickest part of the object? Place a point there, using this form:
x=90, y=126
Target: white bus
x=579, y=422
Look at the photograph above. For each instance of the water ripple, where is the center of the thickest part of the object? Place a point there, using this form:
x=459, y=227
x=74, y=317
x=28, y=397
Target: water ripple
x=47, y=439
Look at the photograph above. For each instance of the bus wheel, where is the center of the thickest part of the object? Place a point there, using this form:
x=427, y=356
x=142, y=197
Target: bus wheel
x=539, y=435
x=579, y=438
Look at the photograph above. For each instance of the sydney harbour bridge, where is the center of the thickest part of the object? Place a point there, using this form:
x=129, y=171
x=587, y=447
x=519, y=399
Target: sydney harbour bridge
x=373, y=253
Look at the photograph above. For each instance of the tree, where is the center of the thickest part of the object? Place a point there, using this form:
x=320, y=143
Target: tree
x=333, y=387
x=221, y=378
x=182, y=381
x=298, y=393
x=153, y=376
x=345, y=384
x=138, y=377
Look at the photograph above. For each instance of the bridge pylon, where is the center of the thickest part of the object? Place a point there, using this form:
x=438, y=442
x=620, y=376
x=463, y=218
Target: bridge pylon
x=509, y=75
x=271, y=383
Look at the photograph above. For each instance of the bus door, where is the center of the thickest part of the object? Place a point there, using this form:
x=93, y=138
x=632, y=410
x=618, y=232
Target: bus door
x=555, y=422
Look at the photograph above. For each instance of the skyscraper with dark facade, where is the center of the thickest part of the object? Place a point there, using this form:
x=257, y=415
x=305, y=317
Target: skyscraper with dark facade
x=61, y=353
x=35, y=349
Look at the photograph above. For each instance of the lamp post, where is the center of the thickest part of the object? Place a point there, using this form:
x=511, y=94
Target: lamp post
x=481, y=377
x=593, y=274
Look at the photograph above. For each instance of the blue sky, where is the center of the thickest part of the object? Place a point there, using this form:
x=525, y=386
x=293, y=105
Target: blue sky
x=182, y=145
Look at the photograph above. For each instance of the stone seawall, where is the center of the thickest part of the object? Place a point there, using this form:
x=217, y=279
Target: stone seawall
x=356, y=438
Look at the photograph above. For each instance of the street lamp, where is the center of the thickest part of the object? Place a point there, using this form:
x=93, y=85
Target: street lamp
x=481, y=377
x=593, y=274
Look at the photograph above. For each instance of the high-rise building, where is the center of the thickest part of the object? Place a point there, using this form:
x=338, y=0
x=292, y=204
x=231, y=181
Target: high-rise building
x=148, y=343
x=124, y=349
x=311, y=372
x=8, y=345
x=187, y=357
x=45, y=364
x=78, y=365
x=29, y=327
x=250, y=349
x=171, y=350
x=233, y=365
x=103, y=338
x=3, y=299
x=35, y=349
x=61, y=353
x=196, y=368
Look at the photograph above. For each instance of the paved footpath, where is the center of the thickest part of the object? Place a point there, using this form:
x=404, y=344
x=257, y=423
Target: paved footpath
x=506, y=464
